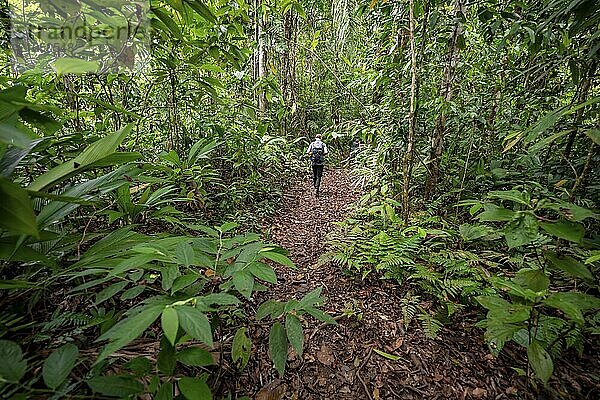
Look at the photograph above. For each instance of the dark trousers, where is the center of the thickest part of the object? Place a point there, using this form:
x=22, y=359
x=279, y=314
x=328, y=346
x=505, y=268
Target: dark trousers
x=317, y=174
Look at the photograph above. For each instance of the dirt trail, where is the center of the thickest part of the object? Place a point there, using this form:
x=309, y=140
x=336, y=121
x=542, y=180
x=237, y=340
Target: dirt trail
x=339, y=362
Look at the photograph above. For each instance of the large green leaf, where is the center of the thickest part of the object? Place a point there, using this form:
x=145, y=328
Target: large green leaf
x=110, y=291
x=567, y=230
x=571, y=309
x=116, y=385
x=128, y=329
x=59, y=364
x=569, y=265
x=194, y=389
x=243, y=282
x=195, y=323
x=540, y=361
x=534, y=279
x=170, y=324
x=521, y=231
x=512, y=195
x=295, y=333
x=13, y=366
x=263, y=272
x=472, y=232
x=195, y=356
x=185, y=254
x=75, y=66
x=493, y=213
x=278, y=347
x=94, y=153
x=12, y=135
x=271, y=307
x=594, y=134
x=16, y=213
x=202, y=9
x=278, y=258
x=241, y=348
x=166, y=19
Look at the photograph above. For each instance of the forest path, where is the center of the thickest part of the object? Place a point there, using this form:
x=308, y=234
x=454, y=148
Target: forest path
x=339, y=362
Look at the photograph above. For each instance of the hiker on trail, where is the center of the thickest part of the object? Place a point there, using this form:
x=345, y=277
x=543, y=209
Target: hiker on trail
x=354, y=149
x=317, y=151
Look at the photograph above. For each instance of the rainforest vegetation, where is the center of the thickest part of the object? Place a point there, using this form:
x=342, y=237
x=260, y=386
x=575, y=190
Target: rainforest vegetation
x=159, y=239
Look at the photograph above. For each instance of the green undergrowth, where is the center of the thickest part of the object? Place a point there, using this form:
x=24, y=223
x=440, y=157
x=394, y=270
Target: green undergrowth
x=529, y=259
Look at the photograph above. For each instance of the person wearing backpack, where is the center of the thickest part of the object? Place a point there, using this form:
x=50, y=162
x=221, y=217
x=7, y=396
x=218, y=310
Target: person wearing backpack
x=317, y=151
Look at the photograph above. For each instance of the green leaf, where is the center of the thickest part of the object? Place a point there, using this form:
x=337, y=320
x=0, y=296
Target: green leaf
x=94, y=153
x=312, y=298
x=534, y=279
x=270, y=307
x=243, y=282
x=511, y=195
x=128, y=329
x=514, y=288
x=387, y=355
x=295, y=333
x=165, y=392
x=110, y=291
x=116, y=385
x=571, y=309
x=576, y=213
x=166, y=19
x=166, y=360
x=594, y=134
x=569, y=265
x=14, y=136
x=185, y=254
x=184, y=281
x=16, y=213
x=241, y=348
x=202, y=10
x=263, y=272
x=170, y=324
x=493, y=213
x=13, y=366
x=493, y=303
x=582, y=301
x=140, y=366
x=195, y=357
x=540, y=361
x=195, y=323
x=278, y=258
x=567, y=230
x=472, y=232
x=59, y=365
x=222, y=299
x=498, y=333
x=75, y=66
x=278, y=347
x=133, y=292
x=521, y=231
x=194, y=389
x=321, y=315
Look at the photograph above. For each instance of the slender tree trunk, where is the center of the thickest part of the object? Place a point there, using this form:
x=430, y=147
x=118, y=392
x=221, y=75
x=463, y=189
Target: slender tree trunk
x=437, y=138
x=407, y=162
x=585, y=88
x=262, y=63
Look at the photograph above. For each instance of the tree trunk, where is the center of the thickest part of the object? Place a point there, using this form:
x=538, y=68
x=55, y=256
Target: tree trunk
x=437, y=139
x=585, y=88
x=407, y=162
x=262, y=64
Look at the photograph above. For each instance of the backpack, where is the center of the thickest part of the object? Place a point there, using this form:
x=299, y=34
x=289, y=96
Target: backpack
x=318, y=155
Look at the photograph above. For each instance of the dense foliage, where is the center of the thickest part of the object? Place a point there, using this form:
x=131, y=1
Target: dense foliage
x=129, y=199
